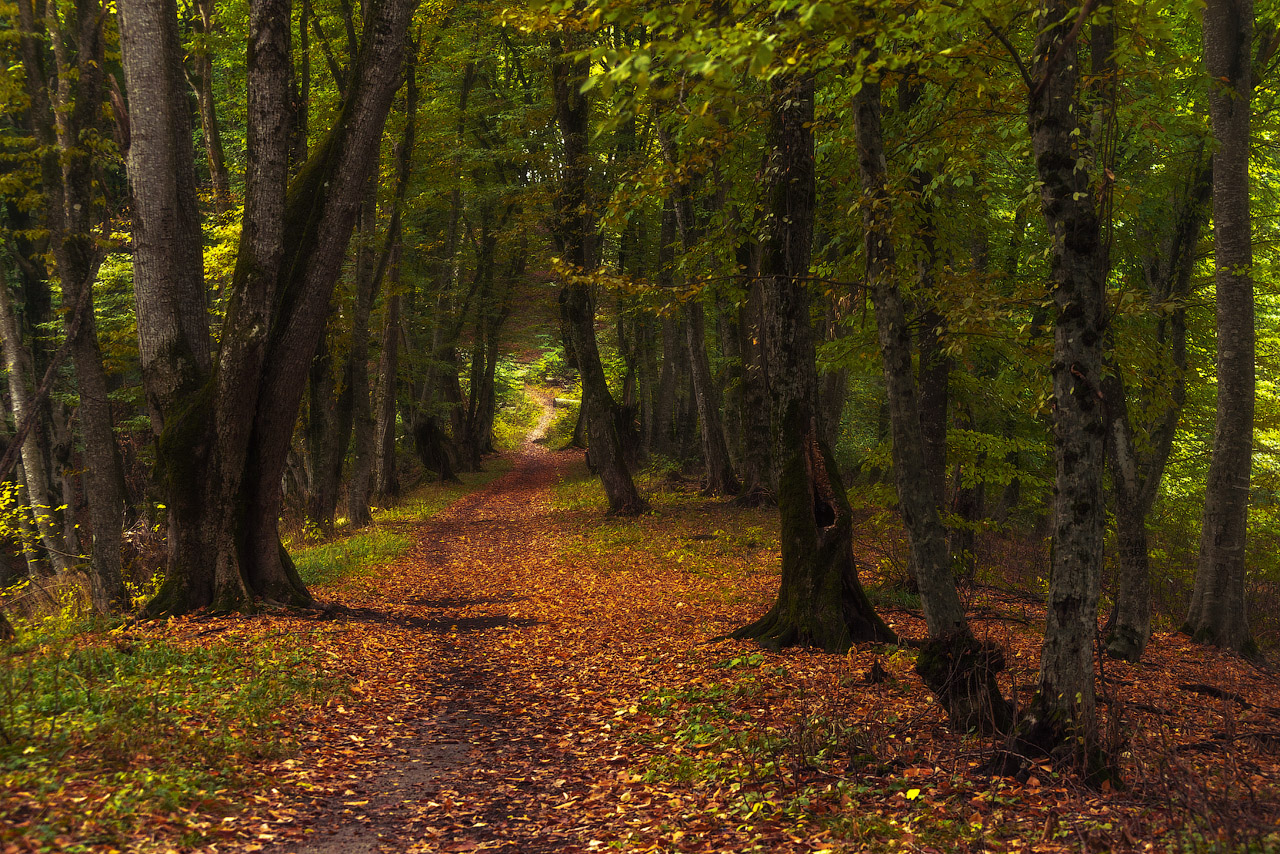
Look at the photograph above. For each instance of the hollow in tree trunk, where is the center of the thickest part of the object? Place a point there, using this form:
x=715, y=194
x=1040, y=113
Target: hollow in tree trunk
x=820, y=601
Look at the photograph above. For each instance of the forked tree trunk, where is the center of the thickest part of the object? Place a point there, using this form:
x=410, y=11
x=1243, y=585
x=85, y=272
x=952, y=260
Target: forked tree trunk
x=820, y=601
x=1137, y=467
x=1217, y=613
x=224, y=433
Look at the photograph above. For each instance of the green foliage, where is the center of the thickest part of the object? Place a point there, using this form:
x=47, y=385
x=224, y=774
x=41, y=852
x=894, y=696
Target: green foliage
x=130, y=726
x=563, y=422
x=351, y=557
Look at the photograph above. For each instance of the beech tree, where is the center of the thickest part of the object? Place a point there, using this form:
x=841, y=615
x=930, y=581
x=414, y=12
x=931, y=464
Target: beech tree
x=1217, y=611
x=820, y=601
x=223, y=420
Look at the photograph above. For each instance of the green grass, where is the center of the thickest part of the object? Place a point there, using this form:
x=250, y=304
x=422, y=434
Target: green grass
x=560, y=431
x=428, y=499
x=350, y=557
x=359, y=554
x=514, y=420
x=99, y=732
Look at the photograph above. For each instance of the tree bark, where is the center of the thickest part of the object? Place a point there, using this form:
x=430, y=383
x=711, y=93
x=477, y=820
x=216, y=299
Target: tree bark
x=212, y=133
x=1217, y=613
x=386, y=481
x=959, y=670
x=367, y=275
x=224, y=433
x=68, y=175
x=1138, y=466
x=573, y=225
x=34, y=465
x=820, y=601
x=1062, y=717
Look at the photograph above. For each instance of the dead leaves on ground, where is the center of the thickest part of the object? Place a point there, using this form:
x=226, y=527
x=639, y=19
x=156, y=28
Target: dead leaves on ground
x=533, y=679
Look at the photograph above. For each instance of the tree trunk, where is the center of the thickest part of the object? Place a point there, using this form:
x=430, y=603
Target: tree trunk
x=820, y=601
x=69, y=176
x=367, y=275
x=1217, y=612
x=573, y=225
x=386, y=482
x=1137, y=467
x=1062, y=717
x=959, y=670
x=758, y=474
x=34, y=466
x=224, y=435
x=218, y=175
x=720, y=477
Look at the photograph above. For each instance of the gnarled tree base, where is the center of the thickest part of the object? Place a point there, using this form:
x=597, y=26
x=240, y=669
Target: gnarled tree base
x=961, y=673
x=1043, y=733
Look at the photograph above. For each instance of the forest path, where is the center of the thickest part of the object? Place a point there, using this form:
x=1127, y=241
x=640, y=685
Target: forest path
x=490, y=666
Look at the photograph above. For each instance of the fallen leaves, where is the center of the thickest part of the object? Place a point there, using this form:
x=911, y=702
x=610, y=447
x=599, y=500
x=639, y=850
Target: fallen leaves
x=529, y=677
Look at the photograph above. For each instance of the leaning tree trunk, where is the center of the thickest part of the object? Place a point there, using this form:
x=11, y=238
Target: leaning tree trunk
x=958, y=669
x=1217, y=612
x=820, y=601
x=224, y=434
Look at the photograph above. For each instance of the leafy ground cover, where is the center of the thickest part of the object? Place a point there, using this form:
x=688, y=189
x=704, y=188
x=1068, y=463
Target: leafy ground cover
x=530, y=676
x=146, y=736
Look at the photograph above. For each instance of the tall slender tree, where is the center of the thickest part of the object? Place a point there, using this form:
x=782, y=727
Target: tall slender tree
x=1217, y=613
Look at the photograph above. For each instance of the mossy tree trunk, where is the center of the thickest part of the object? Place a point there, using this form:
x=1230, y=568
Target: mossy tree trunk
x=224, y=425
x=820, y=600
x=1062, y=717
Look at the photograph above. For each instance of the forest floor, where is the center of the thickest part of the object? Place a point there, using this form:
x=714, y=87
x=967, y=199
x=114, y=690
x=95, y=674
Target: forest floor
x=533, y=677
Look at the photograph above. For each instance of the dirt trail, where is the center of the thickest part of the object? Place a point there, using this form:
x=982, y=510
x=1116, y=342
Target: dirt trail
x=487, y=678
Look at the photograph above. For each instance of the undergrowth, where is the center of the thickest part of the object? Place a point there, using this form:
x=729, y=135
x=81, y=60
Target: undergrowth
x=350, y=557
x=102, y=732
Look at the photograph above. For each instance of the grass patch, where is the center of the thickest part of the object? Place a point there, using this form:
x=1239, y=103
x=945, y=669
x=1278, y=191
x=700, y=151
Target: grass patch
x=428, y=499
x=101, y=733
x=350, y=557
x=560, y=431
x=514, y=420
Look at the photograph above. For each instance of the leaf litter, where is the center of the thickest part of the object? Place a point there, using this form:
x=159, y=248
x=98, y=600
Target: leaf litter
x=531, y=677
